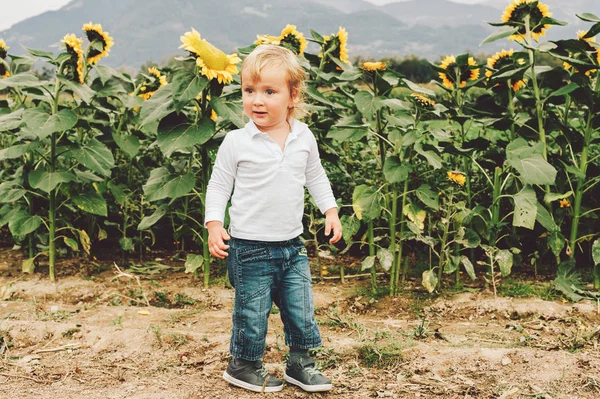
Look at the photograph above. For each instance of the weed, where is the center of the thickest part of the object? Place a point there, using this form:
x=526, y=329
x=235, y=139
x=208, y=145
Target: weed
x=181, y=299
x=422, y=329
x=325, y=358
x=157, y=331
x=118, y=322
x=5, y=341
x=381, y=357
x=176, y=340
x=274, y=310
x=373, y=295
x=70, y=332
x=161, y=299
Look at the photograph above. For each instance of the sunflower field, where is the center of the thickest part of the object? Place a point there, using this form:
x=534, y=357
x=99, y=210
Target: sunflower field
x=493, y=165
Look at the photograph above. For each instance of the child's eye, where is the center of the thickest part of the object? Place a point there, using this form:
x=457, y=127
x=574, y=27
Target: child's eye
x=269, y=91
x=248, y=90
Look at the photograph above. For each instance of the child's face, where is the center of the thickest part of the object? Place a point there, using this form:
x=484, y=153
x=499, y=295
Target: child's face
x=267, y=99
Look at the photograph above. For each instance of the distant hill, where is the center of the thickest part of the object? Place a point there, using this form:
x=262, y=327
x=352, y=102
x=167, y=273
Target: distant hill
x=147, y=30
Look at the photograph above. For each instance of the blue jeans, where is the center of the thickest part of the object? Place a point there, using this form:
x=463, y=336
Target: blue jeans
x=266, y=272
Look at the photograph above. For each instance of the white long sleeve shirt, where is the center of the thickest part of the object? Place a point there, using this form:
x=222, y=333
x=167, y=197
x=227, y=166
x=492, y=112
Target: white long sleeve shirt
x=268, y=184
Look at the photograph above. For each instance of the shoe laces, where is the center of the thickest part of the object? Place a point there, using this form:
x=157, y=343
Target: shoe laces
x=311, y=370
x=262, y=372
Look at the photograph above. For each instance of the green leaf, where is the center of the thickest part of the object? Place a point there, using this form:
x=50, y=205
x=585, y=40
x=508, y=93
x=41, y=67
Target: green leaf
x=525, y=208
x=71, y=243
x=367, y=263
x=347, y=133
x=126, y=244
x=184, y=135
x=416, y=88
x=596, y=251
x=186, y=87
x=158, y=106
x=11, y=121
x=10, y=194
x=530, y=164
x=588, y=17
x=22, y=223
x=468, y=266
x=149, y=221
x=504, y=258
x=386, y=258
x=551, y=197
x=499, y=34
x=91, y=202
x=315, y=94
x=366, y=202
x=366, y=104
x=470, y=239
x=415, y=214
x=394, y=171
x=430, y=280
x=16, y=151
x=39, y=53
x=556, y=242
x=350, y=226
x=228, y=110
x=564, y=90
x=47, y=181
x=428, y=196
x=129, y=143
x=44, y=124
x=96, y=157
x=432, y=158
x=545, y=218
x=21, y=80
x=106, y=73
x=193, y=262
x=81, y=91
x=161, y=184
x=28, y=266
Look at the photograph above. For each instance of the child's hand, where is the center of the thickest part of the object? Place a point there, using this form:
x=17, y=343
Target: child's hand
x=332, y=222
x=216, y=236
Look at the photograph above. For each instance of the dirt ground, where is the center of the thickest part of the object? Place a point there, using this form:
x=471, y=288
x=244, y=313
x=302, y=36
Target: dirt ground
x=157, y=336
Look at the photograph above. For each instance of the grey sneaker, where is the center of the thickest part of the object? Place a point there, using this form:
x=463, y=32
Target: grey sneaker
x=251, y=375
x=301, y=371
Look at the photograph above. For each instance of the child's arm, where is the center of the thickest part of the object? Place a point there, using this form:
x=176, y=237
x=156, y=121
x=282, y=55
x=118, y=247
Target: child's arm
x=217, y=195
x=332, y=222
x=216, y=239
x=320, y=189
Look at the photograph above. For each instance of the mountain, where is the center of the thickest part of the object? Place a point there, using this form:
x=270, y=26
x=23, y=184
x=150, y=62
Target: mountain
x=149, y=30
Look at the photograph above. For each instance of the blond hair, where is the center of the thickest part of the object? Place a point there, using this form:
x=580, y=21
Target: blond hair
x=281, y=57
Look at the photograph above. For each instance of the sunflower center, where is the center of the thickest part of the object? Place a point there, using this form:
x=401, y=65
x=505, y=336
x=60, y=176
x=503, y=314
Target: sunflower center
x=2, y=69
x=535, y=17
x=292, y=41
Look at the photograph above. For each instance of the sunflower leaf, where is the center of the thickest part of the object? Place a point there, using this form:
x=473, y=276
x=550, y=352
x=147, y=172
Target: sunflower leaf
x=588, y=17
x=158, y=106
x=186, y=87
x=499, y=34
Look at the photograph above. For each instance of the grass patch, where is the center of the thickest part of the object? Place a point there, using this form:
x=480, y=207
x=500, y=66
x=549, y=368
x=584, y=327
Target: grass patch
x=384, y=357
x=524, y=289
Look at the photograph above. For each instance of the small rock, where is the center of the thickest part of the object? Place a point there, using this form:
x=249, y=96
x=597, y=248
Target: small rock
x=506, y=361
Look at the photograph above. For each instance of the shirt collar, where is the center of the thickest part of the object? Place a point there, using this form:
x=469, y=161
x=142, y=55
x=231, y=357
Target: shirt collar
x=296, y=128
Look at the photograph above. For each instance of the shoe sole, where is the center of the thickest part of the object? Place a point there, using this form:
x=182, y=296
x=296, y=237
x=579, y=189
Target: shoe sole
x=250, y=387
x=308, y=388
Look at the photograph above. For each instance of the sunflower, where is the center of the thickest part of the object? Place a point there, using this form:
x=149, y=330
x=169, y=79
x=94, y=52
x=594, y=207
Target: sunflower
x=503, y=59
x=150, y=86
x=336, y=45
x=457, y=177
x=4, y=73
x=95, y=33
x=3, y=49
x=422, y=101
x=564, y=203
x=292, y=39
x=73, y=45
x=215, y=64
x=590, y=48
x=374, y=66
x=515, y=13
x=266, y=39
x=455, y=72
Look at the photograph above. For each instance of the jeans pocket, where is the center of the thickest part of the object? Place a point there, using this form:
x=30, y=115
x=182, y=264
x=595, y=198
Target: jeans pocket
x=253, y=254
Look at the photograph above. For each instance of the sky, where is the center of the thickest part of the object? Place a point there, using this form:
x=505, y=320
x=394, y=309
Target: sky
x=16, y=11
